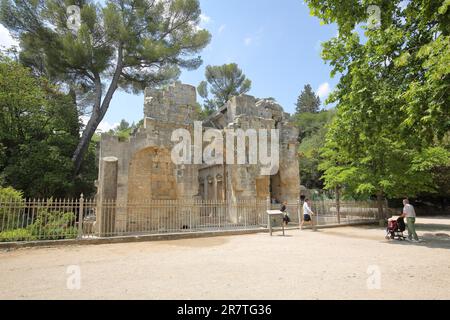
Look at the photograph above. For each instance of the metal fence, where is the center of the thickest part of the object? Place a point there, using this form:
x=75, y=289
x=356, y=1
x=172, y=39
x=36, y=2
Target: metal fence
x=346, y=212
x=329, y=212
x=54, y=219
x=28, y=220
x=115, y=218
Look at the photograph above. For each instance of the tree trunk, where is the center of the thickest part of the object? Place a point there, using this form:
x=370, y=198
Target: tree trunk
x=380, y=205
x=98, y=112
x=86, y=137
x=338, y=204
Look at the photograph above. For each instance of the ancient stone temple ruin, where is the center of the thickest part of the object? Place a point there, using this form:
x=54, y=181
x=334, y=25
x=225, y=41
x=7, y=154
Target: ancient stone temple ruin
x=141, y=169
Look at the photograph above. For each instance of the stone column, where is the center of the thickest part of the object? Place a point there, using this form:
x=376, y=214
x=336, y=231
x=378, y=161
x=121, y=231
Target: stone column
x=107, y=195
x=215, y=197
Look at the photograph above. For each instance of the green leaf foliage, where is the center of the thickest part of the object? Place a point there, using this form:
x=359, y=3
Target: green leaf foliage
x=223, y=82
x=389, y=135
x=120, y=44
x=307, y=101
x=39, y=130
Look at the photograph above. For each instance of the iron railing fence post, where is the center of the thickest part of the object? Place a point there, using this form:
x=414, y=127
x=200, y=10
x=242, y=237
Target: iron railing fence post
x=81, y=217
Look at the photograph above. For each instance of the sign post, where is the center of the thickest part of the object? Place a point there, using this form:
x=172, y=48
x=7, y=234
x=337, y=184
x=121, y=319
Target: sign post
x=274, y=213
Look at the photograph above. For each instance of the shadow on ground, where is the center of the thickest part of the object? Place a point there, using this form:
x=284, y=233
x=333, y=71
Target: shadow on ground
x=430, y=241
x=432, y=227
x=435, y=235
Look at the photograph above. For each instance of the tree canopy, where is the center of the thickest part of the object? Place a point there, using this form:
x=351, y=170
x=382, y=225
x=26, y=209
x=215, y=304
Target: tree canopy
x=39, y=129
x=126, y=44
x=223, y=82
x=307, y=101
x=392, y=98
x=124, y=130
x=313, y=128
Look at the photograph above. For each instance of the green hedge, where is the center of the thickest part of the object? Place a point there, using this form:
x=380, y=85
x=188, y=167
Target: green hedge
x=54, y=225
x=10, y=195
x=47, y=226
x=16, y=235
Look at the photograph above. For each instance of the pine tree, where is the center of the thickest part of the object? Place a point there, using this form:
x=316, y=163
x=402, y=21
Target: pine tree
x=308, y=101
x=223, y=82
x=106, y=46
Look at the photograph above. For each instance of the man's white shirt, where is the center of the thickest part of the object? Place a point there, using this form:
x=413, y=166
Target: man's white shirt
x=409, y=211
x=307, y=209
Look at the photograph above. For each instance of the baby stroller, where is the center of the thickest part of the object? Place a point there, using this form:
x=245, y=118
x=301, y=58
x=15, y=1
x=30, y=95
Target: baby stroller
x=395, y=229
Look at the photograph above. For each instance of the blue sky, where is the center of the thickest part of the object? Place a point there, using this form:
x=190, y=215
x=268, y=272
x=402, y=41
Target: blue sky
x=275, y=43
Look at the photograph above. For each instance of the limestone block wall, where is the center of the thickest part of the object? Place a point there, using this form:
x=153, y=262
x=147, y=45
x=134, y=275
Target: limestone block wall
x=147, y=173
x=270, y=110
x=289, y=166
x=211, y=182
x=174, y=104
x=242, y=105
x=245, y=181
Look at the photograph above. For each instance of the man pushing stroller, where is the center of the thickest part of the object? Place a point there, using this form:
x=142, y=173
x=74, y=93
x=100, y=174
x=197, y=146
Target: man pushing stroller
x=410, y=214
x=396, y=226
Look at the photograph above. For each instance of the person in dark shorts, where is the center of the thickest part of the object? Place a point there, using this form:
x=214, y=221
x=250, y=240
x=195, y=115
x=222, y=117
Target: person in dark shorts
x=286, y=218
x=307, y=213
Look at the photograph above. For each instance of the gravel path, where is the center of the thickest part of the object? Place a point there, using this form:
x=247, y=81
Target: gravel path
x=339, y=263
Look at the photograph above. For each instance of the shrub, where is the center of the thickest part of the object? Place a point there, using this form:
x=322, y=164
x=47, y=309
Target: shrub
x=10, y=196
x=54, y=225
x=16, y=235
x=10, y=193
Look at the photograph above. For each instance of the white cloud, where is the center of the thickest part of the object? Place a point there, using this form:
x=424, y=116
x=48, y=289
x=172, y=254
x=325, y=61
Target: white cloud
x=5, y=38
x=222, y=28
x=255, y=38
x=103, y=127
x=204, y=19
x=324, y=90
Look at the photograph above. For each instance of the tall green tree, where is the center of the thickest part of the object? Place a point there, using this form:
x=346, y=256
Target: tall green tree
x=392, y=99
x=307, y=101
x=39, y=129
x=124, y=130
x=313, y=128
x=223, y=82
x=126, y=44
x=412, y=48
x=123, y=125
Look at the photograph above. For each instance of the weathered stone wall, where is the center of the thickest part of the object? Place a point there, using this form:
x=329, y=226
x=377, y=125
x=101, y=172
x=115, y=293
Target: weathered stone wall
x=289, y=166
x=174, y=104
x=106, y=215
x=145, y=171
x=211, y=182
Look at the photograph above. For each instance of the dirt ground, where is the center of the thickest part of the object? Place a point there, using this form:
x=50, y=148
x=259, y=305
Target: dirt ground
x=339, y=263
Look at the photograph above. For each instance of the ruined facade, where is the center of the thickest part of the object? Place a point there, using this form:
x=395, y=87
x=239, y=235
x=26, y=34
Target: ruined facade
x=144, y=170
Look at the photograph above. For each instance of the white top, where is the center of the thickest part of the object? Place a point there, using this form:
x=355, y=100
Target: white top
x=307, y=209
x=409, y=211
